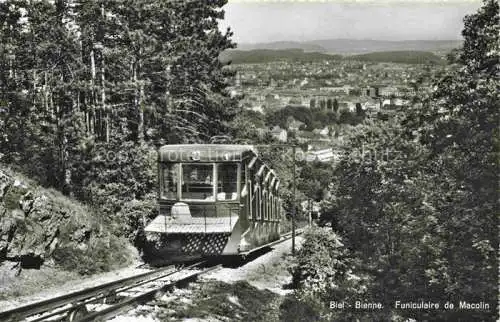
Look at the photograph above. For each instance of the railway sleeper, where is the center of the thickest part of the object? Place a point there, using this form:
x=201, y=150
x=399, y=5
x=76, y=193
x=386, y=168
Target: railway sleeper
x=77, y=313
x=110, y=298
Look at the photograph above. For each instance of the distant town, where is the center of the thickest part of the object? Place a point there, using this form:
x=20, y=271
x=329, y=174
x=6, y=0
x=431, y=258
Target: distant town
x=342, y=90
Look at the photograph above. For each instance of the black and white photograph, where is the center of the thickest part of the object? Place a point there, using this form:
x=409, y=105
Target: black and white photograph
x=249, y=160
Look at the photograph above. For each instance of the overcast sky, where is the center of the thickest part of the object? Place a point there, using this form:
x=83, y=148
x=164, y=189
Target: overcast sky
x=260, y=21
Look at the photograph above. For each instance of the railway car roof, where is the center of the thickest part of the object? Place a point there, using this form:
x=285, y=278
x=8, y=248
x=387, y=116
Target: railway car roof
x=205, y=152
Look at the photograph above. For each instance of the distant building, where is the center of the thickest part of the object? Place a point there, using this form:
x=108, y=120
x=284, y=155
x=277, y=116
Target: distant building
x=350, y=106
x=323, y=132
x=294, y=125
x=257, y=108
x=371, y=105
x=376, y=91
x=325, y=155
x=371, y=91
x=279, y=133
x=270, y=98
x=238, y=79
x=388, y=91
x=400, y=102
x=345, y=89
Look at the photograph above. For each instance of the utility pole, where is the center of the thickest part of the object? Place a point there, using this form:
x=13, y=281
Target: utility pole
x=310, y=204
x=294, y=209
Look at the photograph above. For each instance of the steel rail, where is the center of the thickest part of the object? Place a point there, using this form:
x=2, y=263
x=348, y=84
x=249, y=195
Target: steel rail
x=283, y=238
x=80, y=298
x=114, y=310
x=101, y=296
x=31, y=309
x=125, y=305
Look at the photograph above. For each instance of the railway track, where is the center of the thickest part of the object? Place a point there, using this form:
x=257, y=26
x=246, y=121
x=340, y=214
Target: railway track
x=145, y=295
x=135, y=289
x=113, y=298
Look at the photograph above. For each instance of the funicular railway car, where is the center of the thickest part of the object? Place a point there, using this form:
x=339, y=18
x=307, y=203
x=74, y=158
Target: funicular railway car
x=214, y=199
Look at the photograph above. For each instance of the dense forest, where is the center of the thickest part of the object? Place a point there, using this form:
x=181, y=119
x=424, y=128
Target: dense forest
x=401, y=57
x=88, y=88
x=257, y=56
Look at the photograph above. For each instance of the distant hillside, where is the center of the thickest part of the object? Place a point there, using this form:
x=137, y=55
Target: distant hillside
x=355, y=46
x=404, y=57
x=281, y=45
x=266, y=55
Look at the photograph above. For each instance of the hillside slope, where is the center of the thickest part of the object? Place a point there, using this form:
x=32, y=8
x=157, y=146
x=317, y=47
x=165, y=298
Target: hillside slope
x=39, y=225
x=268, y=55
x=281, y=45
x=357, y=46
x=403, y=57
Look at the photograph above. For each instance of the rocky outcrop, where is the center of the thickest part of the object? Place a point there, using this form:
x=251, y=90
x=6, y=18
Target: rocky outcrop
x=34, y=222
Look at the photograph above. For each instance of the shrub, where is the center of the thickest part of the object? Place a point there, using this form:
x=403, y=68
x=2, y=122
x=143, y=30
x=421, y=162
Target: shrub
x=323, y=271
x=321, y=261
x=293, y=310
x=133, y=217
x=100, y=255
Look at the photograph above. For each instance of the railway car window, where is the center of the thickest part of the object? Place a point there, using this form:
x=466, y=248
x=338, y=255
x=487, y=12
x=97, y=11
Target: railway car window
x=255, y=203
x=227, y=185
x=271, y=207
x=258, y=201
x=263, y=205
x=277, y=205
x=169, y=181
x=251, y=195
x=197, y=181
x=278, y=209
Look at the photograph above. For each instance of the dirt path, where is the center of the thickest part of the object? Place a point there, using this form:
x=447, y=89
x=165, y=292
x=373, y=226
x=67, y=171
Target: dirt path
x=268, y=271
x=252, y=292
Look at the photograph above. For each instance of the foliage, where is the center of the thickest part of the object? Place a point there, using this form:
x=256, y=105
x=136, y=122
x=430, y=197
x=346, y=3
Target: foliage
x=314, y=178
x=404, y=57
x=312, y=118
x=294, y=310
x=133, y=217
x=269, y=55
x=101, y=255
x=89, y=89
x=415, y=197
x=117, y=174
x=323, y=271
x=246, y=124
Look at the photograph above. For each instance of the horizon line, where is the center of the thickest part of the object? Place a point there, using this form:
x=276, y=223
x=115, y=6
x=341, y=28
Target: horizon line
x=356, y=39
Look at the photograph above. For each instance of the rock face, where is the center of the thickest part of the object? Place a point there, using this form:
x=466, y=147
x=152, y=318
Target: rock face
x=35, y=221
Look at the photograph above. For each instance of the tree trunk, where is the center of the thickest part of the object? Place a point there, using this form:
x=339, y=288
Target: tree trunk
x=92, y=120
x=138, y=97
